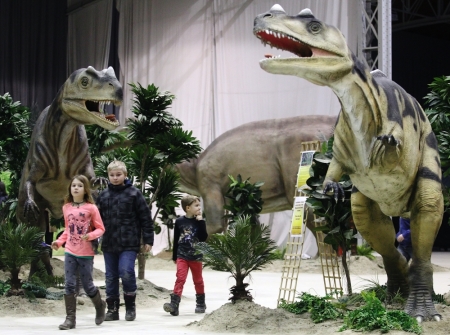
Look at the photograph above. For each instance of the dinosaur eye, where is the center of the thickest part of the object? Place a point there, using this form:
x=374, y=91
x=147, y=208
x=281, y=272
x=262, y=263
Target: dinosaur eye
x=84, y=81
x=315, y=27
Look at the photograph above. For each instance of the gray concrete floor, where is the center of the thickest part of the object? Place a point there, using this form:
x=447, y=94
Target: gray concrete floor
x=153, y=320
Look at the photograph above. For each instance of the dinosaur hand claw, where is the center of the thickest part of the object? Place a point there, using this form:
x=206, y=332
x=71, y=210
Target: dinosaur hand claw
x=99, y=182
x=388, y=140
x=337, y=190
x=31, y=210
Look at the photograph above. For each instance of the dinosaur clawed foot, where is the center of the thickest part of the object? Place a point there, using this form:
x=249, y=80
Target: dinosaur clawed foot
x=388, y=140
x=420, y=305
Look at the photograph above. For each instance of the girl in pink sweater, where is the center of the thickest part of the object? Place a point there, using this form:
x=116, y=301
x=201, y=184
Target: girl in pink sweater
x=83, y=224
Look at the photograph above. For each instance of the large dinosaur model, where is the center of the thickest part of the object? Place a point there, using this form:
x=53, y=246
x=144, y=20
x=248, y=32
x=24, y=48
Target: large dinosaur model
x=59, y=147
x=267, y=151
x=383, y=140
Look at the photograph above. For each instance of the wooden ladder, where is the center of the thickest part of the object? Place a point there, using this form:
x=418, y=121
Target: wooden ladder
x=294, y=246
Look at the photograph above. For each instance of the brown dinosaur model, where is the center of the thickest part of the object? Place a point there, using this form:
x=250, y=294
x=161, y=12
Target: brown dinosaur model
x=59, y=147
x=383, y=140
x=267, y=151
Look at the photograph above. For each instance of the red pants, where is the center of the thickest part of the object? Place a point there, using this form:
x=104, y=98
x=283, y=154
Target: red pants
x=183, y=267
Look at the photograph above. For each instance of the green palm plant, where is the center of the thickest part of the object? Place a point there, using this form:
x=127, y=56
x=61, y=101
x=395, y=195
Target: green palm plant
x=19, y=245
x=101, y=140
x=158, y=143
x=242, y=249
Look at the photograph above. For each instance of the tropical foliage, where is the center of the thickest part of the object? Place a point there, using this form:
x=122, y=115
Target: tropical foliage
x=363, y=315
x=15, y=134
x=243, y=198
x=243, y=248
x=334, y=217
x=19, y=245
x=155, y=141
x=372, y=315
x=438, y=112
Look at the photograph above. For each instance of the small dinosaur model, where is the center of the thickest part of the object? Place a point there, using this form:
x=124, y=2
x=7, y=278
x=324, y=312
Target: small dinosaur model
x=59, y=146
x=383, y=140
x=267, y=151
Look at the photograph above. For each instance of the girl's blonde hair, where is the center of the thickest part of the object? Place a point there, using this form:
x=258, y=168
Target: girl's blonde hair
x=87, y=188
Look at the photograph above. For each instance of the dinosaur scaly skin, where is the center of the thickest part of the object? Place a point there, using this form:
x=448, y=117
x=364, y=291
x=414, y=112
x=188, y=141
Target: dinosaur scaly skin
x=267, y=151
x=383, y=140
x=59, y=147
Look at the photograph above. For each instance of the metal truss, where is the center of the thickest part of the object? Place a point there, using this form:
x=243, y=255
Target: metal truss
x=409, y=14
x=375, y=46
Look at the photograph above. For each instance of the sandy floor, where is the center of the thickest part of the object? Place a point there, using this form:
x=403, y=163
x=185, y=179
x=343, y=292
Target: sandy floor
x=19, y=316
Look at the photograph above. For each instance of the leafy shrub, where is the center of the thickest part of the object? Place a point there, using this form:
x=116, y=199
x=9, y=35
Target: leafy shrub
x=19, y=245
x=244, y=198
x=321, y=308
x=4, y=287
x=365, y=250
x=373, y=316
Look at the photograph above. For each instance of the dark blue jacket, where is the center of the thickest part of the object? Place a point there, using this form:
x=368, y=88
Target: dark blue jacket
x=126, y=217
x=186, y=234
x=404, y=229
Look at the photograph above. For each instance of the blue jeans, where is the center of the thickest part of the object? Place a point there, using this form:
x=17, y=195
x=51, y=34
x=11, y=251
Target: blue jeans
x=120, y=265
x=82, y=266
x=406, y=251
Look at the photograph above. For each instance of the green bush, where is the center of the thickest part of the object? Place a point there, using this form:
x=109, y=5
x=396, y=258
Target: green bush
x=373, y=316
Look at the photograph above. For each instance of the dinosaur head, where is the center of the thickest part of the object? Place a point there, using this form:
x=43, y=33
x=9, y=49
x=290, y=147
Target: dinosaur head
x=86, y=92
x=321, y=52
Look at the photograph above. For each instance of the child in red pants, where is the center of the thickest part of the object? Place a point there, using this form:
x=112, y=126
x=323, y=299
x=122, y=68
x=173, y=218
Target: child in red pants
x=188, y=230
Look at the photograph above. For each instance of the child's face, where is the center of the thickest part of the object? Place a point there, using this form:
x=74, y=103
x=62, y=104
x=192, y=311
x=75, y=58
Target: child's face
x=117, y=177
x=194, y=209
x=77, y=190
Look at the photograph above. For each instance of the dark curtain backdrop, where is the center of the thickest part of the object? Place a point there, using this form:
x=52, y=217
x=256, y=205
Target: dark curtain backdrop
x=32, y=50
x=417, y=59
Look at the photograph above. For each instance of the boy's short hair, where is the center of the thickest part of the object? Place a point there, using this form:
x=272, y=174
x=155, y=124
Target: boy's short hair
x=188, y=200
x=117, y=165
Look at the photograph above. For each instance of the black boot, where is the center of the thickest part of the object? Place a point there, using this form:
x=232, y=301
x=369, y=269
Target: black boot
x=100, y=307
x=200, y=303
x=130, y=305
x=172, y=307
x=113, y=309
x=70, y=301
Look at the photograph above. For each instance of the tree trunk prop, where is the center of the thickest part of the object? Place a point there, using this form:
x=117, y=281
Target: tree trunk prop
x=346, y=271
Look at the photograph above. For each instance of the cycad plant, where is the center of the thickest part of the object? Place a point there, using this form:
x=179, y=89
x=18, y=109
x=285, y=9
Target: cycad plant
x=243, y=248
x=19, y=245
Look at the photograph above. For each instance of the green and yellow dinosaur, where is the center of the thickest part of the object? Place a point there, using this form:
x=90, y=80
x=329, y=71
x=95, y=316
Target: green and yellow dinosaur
x=383, y=140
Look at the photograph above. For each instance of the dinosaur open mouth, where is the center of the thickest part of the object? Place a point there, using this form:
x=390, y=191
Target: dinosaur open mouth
x=286, y=42
x=97, y=107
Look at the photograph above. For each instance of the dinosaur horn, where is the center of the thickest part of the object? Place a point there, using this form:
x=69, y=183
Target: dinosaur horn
x=110, y=72
x=277, y=8
x=306, y=13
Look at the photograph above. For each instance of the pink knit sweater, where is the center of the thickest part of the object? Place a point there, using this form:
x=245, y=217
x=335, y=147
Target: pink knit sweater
x=78, y=222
